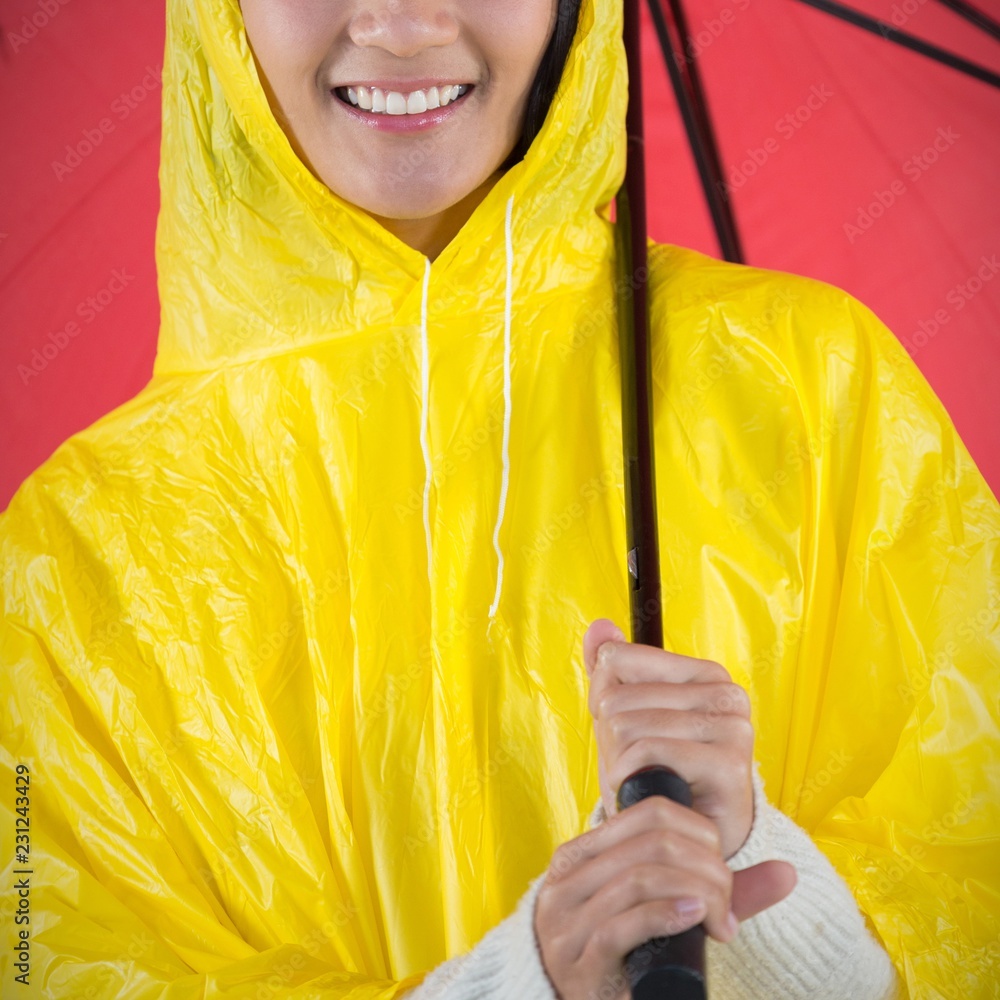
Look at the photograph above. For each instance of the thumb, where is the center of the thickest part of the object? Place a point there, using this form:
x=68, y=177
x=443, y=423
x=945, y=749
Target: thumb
x=763, y=885
x=601, y=630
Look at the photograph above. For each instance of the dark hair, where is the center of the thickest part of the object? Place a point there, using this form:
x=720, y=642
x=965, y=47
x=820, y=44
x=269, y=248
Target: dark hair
x=550, y=71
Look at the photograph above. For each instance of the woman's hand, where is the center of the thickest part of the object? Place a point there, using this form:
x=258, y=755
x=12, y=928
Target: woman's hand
x=655, y=869
x=654, y=707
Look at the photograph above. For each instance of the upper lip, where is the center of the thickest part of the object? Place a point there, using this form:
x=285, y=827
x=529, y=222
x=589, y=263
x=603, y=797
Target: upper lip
x=407, y=86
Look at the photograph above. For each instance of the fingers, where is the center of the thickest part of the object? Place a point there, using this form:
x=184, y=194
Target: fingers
x=763, y=885
x=657, y=851
x=583, y=947
x=712, y=698
x=623, y=930
x=614, y=663
x=717, y=769
x=622, y=729
x=601, y=630
x=687, y=872
x=659, y=846
x=653, y=814
x=653, y=707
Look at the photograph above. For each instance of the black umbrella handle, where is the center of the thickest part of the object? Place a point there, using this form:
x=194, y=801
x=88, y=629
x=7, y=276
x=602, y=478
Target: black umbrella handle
x=672, y=966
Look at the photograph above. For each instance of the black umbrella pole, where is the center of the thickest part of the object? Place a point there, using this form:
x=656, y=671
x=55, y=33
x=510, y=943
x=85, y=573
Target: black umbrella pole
x=634, y=350
x=664, y=966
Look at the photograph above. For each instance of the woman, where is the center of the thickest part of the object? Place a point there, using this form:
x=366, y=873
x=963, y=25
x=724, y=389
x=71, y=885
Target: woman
x=297, y=703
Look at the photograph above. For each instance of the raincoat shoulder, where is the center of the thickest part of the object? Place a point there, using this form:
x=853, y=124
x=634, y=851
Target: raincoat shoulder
x=858, y=545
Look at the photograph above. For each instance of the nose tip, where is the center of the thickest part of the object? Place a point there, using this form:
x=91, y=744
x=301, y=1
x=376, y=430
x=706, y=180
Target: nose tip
x=403, y=29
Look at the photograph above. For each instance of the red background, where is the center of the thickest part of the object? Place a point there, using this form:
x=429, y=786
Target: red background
x=66, y=225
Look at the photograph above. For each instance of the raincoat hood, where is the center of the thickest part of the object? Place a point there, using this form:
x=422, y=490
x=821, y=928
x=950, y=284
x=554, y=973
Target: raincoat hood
x=242, y=278
x=301, y=265
x=293, y=637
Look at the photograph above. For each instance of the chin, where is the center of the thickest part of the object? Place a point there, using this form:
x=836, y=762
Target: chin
x=408, y=197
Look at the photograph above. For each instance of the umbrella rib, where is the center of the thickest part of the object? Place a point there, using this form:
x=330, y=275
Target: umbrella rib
x=973, y=14
x=891, y=34
x=674, y=38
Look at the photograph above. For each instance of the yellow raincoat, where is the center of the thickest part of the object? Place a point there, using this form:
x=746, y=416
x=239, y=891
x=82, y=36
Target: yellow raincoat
x=292, y=677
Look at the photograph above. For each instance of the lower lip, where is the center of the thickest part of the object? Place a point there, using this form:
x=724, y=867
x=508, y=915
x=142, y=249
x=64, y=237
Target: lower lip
x=402, y=123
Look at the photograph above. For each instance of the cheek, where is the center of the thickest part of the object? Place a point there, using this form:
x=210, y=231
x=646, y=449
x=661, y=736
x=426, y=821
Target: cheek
x=518, y=34
x=289, y=40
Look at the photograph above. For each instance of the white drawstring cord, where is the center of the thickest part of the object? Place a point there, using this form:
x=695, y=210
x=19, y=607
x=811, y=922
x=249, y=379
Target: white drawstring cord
x=424, y=443
x=505, y=476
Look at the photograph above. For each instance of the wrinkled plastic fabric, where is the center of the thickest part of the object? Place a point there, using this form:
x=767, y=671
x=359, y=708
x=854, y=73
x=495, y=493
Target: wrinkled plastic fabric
x=278, y=748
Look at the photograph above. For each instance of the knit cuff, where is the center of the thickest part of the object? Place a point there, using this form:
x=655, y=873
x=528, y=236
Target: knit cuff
x=505, y=965
x=758, y=843
x=814, y=943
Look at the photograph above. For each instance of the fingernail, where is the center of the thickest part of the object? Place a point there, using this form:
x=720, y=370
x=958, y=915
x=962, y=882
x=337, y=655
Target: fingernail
x=606, y=651
x=689, y=906
x=732, y=924
x=618, y=635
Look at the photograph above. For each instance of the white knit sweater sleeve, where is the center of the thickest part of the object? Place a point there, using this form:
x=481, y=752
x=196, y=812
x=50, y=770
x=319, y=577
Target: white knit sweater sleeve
x=814, y=943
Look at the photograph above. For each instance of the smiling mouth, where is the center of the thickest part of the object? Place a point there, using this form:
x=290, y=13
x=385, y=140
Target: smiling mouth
x=378, y=101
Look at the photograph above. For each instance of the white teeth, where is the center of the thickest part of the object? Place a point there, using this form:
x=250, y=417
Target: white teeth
x=392, y=102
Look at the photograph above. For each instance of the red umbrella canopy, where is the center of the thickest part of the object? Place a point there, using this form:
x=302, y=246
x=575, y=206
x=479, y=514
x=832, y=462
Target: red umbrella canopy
x=848, y=160
x=856, y=161
x=79, y=314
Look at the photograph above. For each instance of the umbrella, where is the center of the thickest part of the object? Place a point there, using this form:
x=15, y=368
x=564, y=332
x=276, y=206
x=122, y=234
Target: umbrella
x=850, y=158
x=675, y=966
x=679, y=49
x=67, y=70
